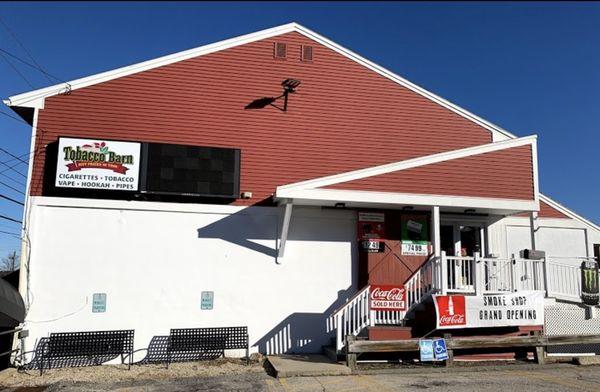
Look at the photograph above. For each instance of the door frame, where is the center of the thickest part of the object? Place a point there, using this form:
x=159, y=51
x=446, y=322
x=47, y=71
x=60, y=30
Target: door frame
x=456, y=221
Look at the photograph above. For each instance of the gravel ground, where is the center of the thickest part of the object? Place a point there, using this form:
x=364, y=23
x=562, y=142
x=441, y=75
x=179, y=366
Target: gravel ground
x=231, y=375
x=555, y=378
x=11, y=378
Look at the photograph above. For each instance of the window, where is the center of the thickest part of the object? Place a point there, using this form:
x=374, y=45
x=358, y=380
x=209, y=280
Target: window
x=306, y=53
x=280, y=50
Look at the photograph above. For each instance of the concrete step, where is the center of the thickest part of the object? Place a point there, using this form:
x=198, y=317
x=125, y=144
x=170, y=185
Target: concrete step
x=306, y=365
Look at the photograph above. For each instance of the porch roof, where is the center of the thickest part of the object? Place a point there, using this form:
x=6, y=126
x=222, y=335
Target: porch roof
x=495, y=178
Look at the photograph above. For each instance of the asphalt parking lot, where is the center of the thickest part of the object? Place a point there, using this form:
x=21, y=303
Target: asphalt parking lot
x=552, y=378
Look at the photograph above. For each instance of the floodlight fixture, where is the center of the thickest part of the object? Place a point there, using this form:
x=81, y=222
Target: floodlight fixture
x=289, y=86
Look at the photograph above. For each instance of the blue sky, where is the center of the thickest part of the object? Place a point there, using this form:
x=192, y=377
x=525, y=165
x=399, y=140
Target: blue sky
x=532, y=68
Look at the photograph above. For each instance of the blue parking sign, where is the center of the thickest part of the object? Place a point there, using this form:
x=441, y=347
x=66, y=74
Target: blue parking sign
x=426, y=350
x=440, y=350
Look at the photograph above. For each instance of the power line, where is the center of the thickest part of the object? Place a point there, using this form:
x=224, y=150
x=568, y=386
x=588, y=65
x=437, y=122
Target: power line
x=14, y=156
x=10, y=199
x=14, y=36
x=16, y=70
x=11, y=187
x=12, y=179
x=13, y=169
x=7, y=53
x=9, y=233
x=10, y=219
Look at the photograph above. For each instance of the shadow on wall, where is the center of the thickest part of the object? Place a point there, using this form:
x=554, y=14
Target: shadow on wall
x=243, y=227
x=252, y=224
x=302, y=333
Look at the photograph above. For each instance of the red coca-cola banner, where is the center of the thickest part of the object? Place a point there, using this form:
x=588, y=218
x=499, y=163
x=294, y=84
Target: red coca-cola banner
x=78, y=165
x=451, y=310
x=386, y=297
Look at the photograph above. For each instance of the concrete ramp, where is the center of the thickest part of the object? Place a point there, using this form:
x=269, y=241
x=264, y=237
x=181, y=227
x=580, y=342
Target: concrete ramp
x=305, y=365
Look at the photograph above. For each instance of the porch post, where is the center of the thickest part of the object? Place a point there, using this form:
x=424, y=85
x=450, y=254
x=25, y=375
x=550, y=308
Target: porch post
x=444, y=273
x=478, y=278
x=436, y=244
x=435, y=230
x=533, y=227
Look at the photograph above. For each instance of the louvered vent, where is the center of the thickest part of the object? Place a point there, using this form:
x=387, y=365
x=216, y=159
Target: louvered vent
x=307, y=53
x=280, y=50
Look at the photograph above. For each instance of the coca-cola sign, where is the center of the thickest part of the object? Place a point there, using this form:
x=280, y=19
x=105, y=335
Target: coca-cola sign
x=490, y=310
x=387, y=297
x=451, y=310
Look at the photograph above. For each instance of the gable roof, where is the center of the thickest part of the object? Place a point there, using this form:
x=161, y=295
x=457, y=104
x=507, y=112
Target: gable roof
x=326, y=189
x=409, y=164
x=35, y=98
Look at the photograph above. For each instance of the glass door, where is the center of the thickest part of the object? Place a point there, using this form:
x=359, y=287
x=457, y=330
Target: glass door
x=470, y=240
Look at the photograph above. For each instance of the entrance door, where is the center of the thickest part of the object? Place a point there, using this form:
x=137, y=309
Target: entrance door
x=462, y=240
x=470, y=240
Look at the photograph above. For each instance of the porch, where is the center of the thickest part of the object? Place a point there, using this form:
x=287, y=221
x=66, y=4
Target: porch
x=473, y=276
x=426, y=227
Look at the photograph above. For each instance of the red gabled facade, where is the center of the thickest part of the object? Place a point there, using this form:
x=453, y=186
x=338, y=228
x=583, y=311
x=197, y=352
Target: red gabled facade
x=344, y=116
x=504, y=174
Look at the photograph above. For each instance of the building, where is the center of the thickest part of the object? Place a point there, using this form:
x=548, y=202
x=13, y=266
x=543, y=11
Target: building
x=356, y=178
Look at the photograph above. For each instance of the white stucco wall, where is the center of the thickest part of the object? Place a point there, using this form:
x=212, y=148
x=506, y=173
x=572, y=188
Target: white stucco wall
x=153, y=260
x=561, y=238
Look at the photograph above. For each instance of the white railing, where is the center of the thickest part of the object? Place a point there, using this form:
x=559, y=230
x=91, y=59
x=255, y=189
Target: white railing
x=564, y=277
x=466, y=275
x=461, y=274
x=355, y=315
x=423, y=282
x=498, y=275
x=351, y=318
x=529, y=275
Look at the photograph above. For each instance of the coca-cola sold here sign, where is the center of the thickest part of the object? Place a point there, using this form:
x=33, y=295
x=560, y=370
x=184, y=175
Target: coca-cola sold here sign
x=385, y=297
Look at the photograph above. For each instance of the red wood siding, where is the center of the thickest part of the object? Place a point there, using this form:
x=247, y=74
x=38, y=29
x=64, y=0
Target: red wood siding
x=546, y=211
x=389, y=267
x=504, y=174
x=344, y=116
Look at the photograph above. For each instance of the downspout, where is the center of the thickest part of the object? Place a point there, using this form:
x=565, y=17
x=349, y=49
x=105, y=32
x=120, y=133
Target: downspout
x=25, y=245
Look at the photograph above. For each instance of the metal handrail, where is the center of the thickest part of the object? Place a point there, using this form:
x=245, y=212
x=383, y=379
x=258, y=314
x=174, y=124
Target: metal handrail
x=11, y=331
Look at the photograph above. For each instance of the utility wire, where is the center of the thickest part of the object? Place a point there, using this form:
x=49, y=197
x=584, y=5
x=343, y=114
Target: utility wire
x=9, y=233
x=12, y=155
x=10, y=219
x=13, y=169
x=11, y=187
x=14, y=36
x=7, y=53
x=10, y=199
x=16, y=70
x=12, y=179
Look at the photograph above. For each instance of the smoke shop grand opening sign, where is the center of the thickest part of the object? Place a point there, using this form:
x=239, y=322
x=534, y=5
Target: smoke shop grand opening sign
x=490, y=310
x=97, y=164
